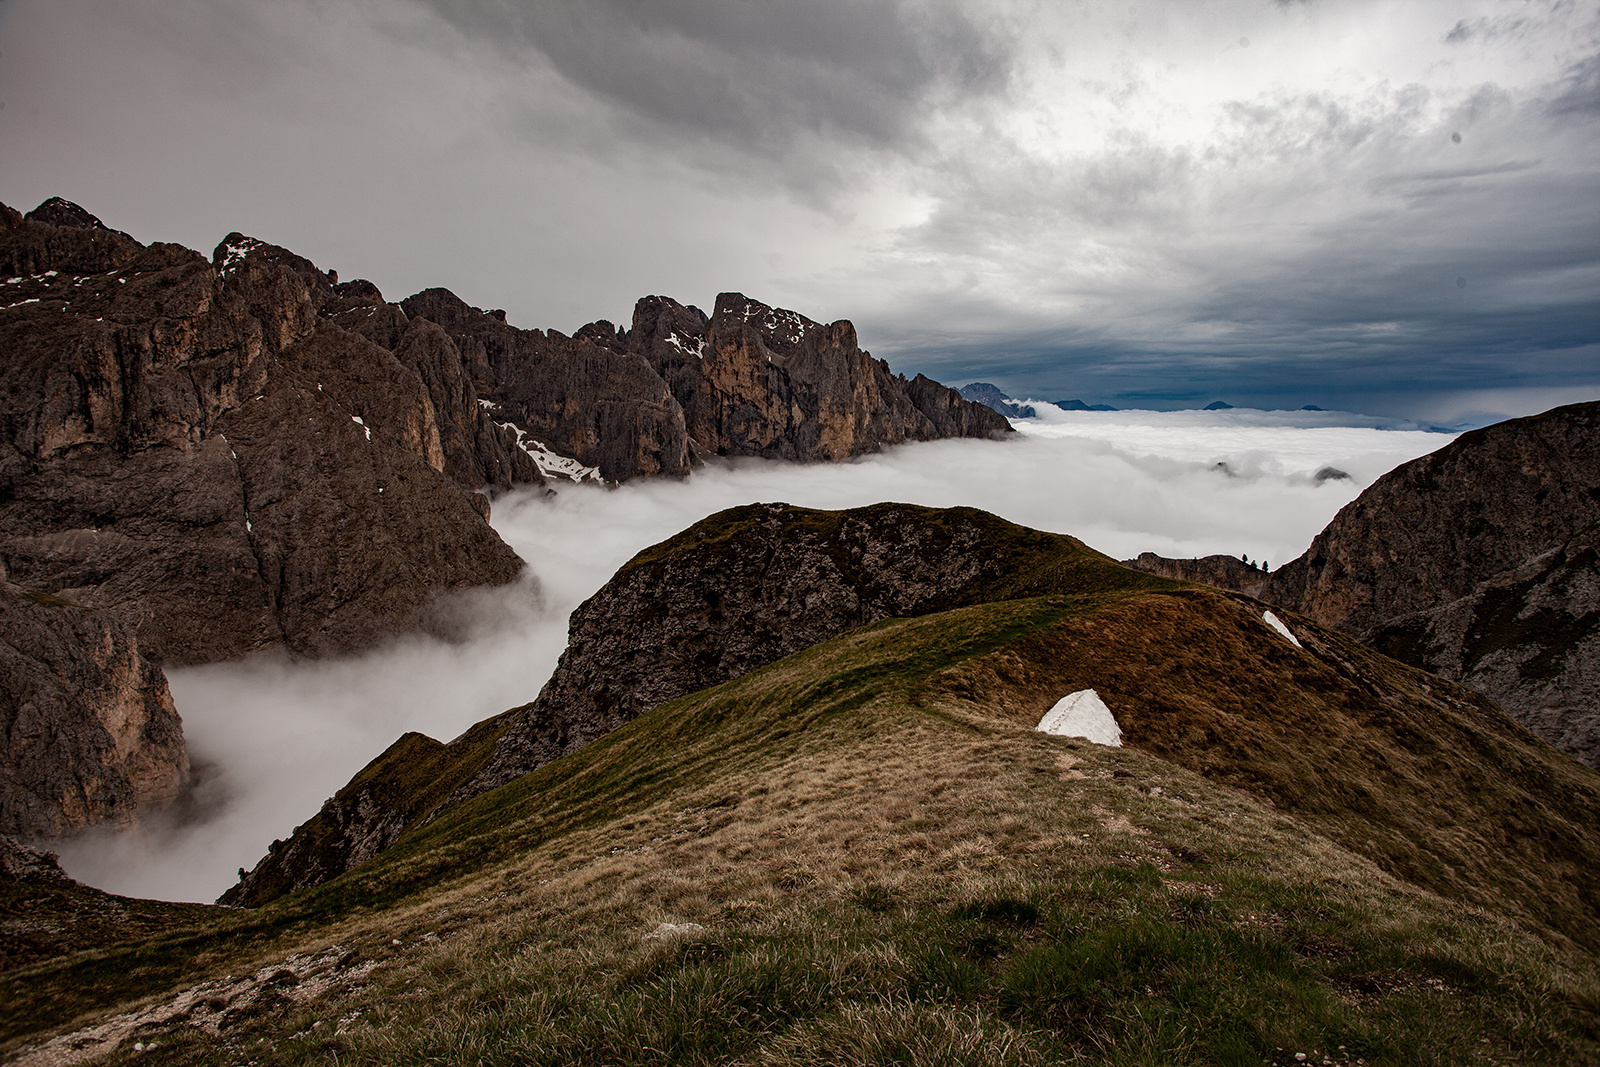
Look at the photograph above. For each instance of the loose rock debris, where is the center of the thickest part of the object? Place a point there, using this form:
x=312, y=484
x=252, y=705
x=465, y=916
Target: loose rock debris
x=210, y=1006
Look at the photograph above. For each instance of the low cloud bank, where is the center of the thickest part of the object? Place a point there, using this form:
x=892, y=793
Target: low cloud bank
x=277, y=737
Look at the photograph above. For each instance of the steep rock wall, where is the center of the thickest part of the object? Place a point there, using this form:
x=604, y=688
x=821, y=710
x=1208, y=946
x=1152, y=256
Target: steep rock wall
x=89, y=732
x=190, y=445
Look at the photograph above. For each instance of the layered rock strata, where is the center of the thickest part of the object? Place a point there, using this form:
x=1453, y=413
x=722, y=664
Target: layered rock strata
x=749, y=380
x=1477, y=562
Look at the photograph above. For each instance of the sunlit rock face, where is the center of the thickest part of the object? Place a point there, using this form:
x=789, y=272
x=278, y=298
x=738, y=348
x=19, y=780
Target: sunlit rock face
x=89, y=732
x=1478, y=562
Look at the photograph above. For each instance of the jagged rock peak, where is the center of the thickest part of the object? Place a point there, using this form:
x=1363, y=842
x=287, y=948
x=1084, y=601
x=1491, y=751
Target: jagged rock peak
x=990, y=396
x=61, y=212
x=236, y=251
x=778, y=327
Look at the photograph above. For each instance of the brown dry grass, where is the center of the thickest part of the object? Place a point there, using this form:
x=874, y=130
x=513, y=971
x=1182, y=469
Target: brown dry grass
x=887, y=864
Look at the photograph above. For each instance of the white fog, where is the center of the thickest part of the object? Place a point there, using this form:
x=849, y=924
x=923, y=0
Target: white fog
x=276, y=738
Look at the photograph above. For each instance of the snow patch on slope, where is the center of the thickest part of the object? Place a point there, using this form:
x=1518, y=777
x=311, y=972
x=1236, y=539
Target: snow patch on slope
x=1277, y=624
x=237, y=252
x=698, y=351
x=1082, y=714
x=550, y=463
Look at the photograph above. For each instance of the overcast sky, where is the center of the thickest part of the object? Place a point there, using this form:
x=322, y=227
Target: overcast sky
x=1382, y=207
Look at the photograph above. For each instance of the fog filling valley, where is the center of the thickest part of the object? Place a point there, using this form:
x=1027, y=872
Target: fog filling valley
x=273, y=738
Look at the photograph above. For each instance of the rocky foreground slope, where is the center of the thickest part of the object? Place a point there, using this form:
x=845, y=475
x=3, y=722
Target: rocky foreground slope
x=1477, y=562
x=1400, y=766
x=734, y=592
x=864, y=852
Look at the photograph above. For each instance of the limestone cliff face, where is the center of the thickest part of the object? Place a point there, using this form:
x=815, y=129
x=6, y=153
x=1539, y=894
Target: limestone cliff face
x=750, y=380
x=476, y=450
x=90, y=733
x=1528, y=637
x=1477, y=562
x=755, y=380
x=1430, y=531
x=605, y=408
x=192, y=446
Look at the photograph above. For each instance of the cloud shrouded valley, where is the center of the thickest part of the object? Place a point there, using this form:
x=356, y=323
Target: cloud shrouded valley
x=276, y=738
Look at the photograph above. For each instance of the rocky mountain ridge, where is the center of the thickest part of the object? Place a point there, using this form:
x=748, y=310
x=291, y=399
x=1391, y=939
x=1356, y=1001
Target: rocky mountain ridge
x=243, y=453
x=749, y=380
x=1477, y=562
x=1396, y=764
x=736, y=591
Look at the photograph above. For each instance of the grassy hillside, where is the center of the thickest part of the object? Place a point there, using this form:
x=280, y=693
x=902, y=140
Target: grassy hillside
x=863, y=853
x=735, y=591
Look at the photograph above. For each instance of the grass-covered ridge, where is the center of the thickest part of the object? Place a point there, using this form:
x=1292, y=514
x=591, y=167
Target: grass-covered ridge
x=882, y=862
x=733, y=592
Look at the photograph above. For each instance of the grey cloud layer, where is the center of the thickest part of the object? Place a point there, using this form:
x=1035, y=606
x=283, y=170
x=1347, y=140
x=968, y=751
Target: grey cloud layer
x=754, y=75
x=1122, y=201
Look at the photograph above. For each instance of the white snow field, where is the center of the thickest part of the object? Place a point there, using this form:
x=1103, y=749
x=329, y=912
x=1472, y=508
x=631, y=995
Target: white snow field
x=1082, y=714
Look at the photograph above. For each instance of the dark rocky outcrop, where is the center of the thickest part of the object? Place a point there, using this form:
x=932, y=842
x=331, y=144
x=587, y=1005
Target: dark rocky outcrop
x=990, y=396
x=192, y=447
x=1477, y=562
x=89, y=732
x=749, y=380
x=1528, y=637
x=605, y=408
x=401, y=788
x=754, y=584
x=1224, y=572
x=734, y=592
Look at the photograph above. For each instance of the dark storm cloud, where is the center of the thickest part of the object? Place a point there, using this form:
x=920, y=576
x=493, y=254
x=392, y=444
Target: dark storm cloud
x=1577, y=96
x=1161, y=199
x=758, y=75
x=1318, y=243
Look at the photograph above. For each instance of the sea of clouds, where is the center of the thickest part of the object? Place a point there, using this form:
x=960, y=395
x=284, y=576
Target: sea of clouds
x=273, y=738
